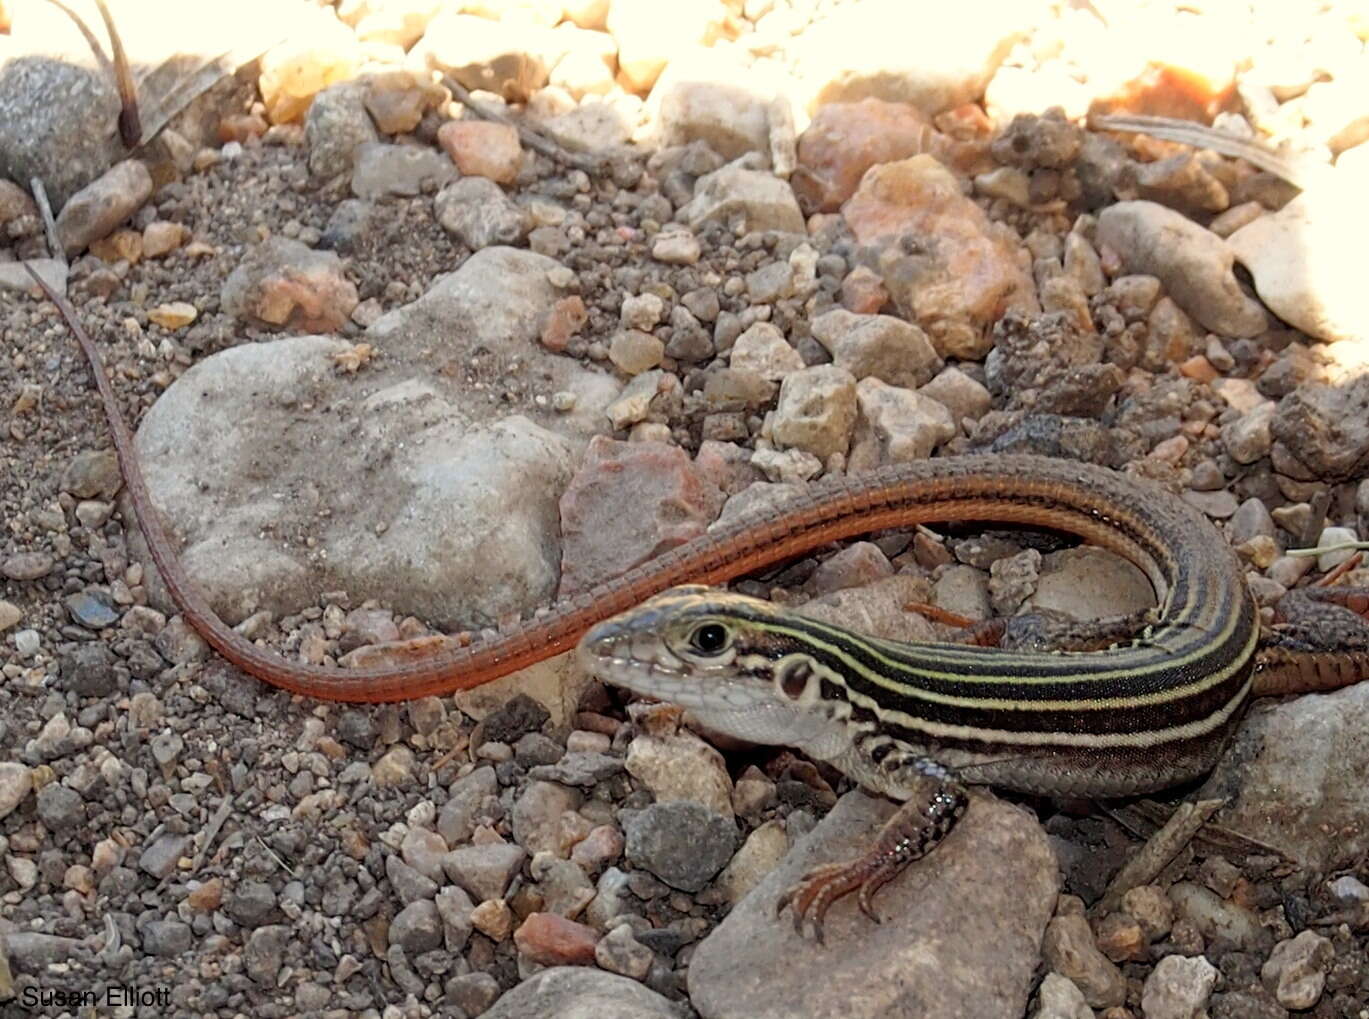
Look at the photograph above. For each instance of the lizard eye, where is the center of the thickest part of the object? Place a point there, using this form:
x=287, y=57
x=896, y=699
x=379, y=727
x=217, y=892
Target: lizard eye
x=709, y=639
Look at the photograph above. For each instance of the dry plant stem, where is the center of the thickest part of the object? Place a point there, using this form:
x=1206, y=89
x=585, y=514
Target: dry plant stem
x=1316, y=517
x=40, y=198
x=84, y=29
x=1143, y=817
x=539, y=141
x=130, y=123
x=1186, y=132
x=1335, y=575
x=1340, y=546
x=1159, y=850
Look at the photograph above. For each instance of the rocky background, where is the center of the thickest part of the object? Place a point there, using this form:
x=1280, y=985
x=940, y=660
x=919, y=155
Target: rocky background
x=430, y=312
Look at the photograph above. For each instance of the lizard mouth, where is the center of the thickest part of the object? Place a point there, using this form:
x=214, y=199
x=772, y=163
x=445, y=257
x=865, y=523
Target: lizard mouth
x=646, y=666
x=719, y=697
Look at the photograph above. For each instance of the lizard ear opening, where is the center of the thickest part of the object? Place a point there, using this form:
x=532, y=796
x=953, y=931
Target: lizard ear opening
x=795, y=677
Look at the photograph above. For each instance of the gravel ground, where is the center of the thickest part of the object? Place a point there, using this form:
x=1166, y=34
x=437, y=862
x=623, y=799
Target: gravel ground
x=172, y=826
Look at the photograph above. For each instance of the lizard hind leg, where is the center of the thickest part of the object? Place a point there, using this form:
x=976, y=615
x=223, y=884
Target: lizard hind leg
x=915, y=829
x=1319, y=641
x=1042, y=630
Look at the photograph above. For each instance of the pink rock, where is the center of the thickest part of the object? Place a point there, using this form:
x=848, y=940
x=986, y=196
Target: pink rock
x=846, y=139
x=285, y=284
x=854, y=566
x=482, y=149
x=629, y=502
x=602, y=846
x=553, y=940
x=566, y=317
x=967, y=274
x=727, y=465
x=366, y=626
x=966, y=122
x=862, y=291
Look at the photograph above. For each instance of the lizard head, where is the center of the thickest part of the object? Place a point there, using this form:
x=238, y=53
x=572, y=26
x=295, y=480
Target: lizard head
x=739, y=664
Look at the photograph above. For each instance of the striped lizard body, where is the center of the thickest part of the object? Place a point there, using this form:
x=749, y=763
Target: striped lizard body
x=915, y=721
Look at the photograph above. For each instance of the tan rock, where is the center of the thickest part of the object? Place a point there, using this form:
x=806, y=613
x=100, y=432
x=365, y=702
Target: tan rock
x=174, y=315
x=397, y=99
x=711, y=96
x=504, y=57
x=161, y=237
x=286, y=284
x=493, y=918
x=763, y=202
x=681, y=767
x=14, y=202
x=968, y=274
x=480, y=148
x=846, y=139
x=294, y=71
x=121, y=245
x=816, y=410
x=896, y=425
x=565, y=320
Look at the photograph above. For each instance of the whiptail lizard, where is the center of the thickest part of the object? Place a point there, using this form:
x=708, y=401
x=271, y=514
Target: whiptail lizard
x=1087, y=711
x=1102, y=709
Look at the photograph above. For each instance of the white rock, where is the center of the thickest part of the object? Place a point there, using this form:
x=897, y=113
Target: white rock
x=1178, y=988
x=816, y=410
x=709, y=95
x=27, y=643
x=1193, y=263
x=1061, y=999
x=883, y=49
x=1301, y=260
x=15, y=784
x=436, y=503
x=1330, y=536
x=786, y=466
x=764, y=202
x=762, y=349
x=641, y=311
x=650, y=33
x=896, y=425
x=1296, y=970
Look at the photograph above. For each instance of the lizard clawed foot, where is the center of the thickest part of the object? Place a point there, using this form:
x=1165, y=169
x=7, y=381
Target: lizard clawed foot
x=815, y=892
x=918, y=825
